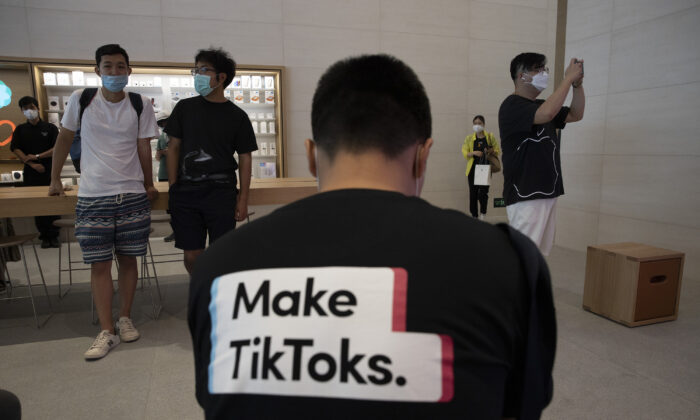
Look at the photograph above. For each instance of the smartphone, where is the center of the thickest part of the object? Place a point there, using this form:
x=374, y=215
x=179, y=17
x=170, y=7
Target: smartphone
x=578, y=61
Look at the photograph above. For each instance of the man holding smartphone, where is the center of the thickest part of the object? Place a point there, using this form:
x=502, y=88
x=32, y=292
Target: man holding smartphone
x=531, y=145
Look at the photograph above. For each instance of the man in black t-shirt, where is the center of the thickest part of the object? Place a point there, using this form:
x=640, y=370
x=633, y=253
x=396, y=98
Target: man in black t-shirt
x=33, y=144
x=205, y=132
x=364, y=301
x=531, y=148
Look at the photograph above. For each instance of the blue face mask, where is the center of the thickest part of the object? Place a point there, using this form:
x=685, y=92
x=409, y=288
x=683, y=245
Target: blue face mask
x=115, y=83
x=201, y=84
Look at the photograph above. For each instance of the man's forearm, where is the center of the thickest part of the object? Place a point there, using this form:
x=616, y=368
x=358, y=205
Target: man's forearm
x=20, y=155
x=60, y=152
x=578, y=103
x=173, y=159
x=145, y=158
x=244, y=170
x=551, y=106
x=45, y=153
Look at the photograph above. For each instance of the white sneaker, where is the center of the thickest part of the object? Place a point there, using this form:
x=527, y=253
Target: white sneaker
x=104, y=342
x=481, y=216
x=127, y=331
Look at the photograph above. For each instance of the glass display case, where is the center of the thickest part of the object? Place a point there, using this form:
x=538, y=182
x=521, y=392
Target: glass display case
x=256, y=90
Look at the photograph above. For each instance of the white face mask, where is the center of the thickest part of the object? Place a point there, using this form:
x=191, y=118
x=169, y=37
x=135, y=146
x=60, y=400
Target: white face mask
x=539, y=81
x=478, y=128
x=31, y=114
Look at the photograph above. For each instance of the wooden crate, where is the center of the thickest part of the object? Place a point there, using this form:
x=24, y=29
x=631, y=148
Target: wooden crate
x=632, y=283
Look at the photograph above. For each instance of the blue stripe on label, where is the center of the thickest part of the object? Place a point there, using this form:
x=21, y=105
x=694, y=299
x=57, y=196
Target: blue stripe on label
x=212, y=314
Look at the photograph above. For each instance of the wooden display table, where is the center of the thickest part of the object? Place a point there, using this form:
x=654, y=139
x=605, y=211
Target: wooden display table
x=34, y=201
x=633, y=284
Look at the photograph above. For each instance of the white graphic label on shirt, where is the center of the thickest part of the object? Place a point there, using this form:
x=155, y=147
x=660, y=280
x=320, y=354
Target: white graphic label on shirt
x=337, y=332
x=541, y=141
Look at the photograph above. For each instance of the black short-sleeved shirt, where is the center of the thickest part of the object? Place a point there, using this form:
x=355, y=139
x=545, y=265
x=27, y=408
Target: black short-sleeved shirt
x=34, y=139
x=463, y=286
x=211, y=133
x=531, y=152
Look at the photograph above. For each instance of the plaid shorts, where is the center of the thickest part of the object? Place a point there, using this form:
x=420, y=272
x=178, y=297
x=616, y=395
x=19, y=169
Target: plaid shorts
x=116, y=223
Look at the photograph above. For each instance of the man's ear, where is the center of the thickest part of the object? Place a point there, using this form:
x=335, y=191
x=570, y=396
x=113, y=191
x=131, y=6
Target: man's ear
x=97, y=71
x=310, y=146
x=422, y=153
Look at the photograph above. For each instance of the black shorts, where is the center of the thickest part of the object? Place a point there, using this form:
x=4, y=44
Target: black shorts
x=198, y=210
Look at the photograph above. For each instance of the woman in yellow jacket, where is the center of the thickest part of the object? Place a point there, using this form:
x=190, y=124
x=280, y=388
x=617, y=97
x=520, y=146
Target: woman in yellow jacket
x=474, y=148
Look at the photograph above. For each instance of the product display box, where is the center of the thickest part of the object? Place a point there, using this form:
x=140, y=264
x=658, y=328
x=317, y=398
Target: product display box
x=633, y=284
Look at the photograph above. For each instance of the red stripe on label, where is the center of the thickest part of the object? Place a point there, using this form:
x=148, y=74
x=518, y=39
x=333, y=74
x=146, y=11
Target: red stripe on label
x=448, y=357
x=399, y=304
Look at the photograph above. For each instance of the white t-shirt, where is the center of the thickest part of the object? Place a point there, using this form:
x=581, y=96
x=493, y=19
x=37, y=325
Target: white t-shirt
x=109, y=161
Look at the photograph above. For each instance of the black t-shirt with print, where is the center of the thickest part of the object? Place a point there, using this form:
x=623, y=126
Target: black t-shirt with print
x=465, y=281
x=211, y=133
x=479, y=146
x=531, y=152
x=33, y=140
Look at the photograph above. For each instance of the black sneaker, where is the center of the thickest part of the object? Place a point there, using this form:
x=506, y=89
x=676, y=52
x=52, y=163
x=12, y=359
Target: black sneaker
x=45, y=243
x=55, y=243
x=170, y=237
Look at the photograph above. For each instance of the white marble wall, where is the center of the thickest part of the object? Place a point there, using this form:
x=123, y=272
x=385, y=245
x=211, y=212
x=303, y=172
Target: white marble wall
x=631, y=166
x=460, y=48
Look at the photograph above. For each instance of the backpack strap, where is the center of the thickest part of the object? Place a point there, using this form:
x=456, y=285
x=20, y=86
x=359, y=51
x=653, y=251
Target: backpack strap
x=85, y=99
x=89, y=94
x=137, y=103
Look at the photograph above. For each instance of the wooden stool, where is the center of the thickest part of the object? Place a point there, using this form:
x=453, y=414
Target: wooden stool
x=67, y=225
x=633, y=284
x=20, y=240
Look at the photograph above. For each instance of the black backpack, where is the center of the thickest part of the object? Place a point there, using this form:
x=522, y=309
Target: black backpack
x=89, y=94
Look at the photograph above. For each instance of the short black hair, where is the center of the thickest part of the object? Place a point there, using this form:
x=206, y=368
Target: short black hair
x=110, y=49
x=526, y=62
x=28, y=100
x=481, y=117
x=370, y=102
x=220, y=60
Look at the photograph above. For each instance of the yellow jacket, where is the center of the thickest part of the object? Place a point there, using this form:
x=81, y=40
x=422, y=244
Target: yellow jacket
x=468, y=147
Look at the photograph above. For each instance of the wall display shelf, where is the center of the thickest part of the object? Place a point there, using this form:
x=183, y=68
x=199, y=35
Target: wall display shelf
x=256, y=90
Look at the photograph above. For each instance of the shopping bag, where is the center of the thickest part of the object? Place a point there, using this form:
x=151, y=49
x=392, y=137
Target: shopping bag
x=482, y=175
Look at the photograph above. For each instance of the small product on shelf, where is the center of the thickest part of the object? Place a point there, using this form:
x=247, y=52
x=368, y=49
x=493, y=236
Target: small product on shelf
x=254, y=96
x=269, y=82
x=256, y=82
x=269, y=96
x=238, y=96
x=63, y=79
x=49, y=79
x=236, y=82
x=272, y=128
x=78, y=78
x=53, y=103
x=245, y=82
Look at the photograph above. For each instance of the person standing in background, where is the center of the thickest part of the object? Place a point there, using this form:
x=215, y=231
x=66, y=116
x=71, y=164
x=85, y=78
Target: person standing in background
x=33, y=142
x=113, y=213
x=205, y=131
x=531, y=144
x=475, y=148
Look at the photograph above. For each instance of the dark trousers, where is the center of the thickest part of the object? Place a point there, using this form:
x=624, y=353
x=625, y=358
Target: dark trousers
x=478, y=195
x=44, y=224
